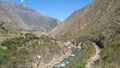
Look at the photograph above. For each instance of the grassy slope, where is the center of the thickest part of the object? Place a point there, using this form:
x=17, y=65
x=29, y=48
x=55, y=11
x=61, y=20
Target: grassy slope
x=110, y=55
x=99, y=18
x=22, y=51
x=98, y=22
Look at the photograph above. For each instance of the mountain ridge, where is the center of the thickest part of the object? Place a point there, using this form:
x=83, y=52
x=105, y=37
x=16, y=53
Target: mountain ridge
x=82, y=18
x=27, y=18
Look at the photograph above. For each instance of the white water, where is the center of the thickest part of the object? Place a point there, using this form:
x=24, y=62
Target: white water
x=75, y=53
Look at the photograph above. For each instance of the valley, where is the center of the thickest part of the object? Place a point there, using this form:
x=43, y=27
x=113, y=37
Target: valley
x=18, y=46
x=88, y=38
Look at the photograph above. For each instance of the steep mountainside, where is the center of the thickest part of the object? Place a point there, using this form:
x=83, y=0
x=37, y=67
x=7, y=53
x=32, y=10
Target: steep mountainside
x=25, y=17
x=98, y=22
x=101, y=16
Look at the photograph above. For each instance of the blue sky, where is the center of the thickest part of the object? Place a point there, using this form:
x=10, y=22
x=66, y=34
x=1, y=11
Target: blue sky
x=59, y=9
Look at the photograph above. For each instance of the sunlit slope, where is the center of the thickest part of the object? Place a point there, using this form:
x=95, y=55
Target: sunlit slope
x=26, y=18
x=98, y=22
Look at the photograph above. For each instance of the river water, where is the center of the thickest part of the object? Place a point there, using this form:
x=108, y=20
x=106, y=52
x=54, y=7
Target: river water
x=75, y=52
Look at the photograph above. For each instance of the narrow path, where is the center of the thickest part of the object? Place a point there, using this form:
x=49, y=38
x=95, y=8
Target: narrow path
x=94, y=57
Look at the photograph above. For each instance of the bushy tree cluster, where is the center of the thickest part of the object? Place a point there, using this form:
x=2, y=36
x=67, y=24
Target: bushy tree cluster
x=14, y=42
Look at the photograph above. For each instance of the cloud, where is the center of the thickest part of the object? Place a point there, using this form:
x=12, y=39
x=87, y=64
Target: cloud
x=21, y=0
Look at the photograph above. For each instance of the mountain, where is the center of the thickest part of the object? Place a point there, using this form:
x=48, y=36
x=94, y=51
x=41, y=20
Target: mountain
x=98, y=22
x=20, y=46
x=26, y=18
x=95, y=15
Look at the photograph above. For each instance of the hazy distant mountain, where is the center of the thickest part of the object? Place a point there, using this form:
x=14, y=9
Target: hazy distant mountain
x=25, y=17
x=98, y=22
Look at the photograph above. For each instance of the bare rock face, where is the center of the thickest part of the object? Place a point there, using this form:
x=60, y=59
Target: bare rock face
x=26, y=18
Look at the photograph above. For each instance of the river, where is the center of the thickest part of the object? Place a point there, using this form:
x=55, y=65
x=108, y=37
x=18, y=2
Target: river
x=75, y=52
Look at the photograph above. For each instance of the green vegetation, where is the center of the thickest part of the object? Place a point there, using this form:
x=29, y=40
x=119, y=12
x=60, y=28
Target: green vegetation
x=110, y=56
x=99, y=23
x=21, y=51
x=9, y=46
x=80, y=61
x=13, y=43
